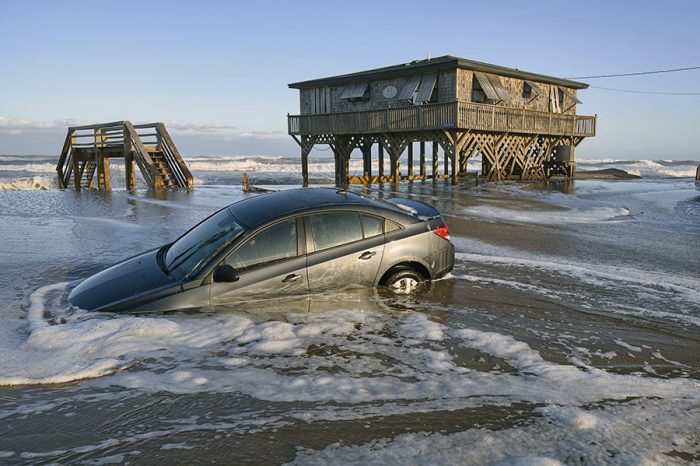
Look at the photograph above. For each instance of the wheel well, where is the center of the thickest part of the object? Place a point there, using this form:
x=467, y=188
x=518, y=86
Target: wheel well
x=415, y=266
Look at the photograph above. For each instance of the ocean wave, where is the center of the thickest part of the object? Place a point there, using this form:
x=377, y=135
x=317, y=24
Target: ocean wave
x=225, y=158
x=644, y=168
x=30, y=168
x=29, y=183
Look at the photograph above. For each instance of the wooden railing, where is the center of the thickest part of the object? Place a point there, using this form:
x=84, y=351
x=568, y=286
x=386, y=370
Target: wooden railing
x=459, y=115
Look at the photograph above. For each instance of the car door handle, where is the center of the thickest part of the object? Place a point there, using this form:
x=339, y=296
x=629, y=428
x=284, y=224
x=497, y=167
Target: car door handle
x=291, y=278
x=367, y=255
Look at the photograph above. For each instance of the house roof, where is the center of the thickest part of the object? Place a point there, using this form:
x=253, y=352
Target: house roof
x=446, y=62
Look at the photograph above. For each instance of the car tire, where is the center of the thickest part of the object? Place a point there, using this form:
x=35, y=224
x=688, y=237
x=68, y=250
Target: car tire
x=404, y=281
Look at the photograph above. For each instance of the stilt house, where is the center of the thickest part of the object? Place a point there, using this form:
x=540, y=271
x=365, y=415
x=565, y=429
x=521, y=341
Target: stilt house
x=523, y=125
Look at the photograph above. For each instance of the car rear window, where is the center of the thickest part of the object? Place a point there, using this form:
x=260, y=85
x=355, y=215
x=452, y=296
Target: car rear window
x=335, y=228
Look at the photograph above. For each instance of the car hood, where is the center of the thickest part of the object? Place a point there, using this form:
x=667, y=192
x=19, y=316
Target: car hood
x=135, y=280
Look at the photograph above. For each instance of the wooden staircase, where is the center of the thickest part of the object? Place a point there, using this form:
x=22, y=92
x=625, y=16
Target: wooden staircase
x=88, y=149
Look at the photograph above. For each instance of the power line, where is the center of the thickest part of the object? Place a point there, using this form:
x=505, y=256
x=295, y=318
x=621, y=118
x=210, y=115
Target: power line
x=640, y=73
x=645, y=92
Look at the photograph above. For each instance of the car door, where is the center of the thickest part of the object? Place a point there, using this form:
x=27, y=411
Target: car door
x=271, y=263
x=344, y=249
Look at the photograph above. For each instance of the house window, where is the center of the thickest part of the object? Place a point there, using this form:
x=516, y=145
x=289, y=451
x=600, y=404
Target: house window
x=560, y=97
x=356, y=92
x=478, y=94
x=527, y=91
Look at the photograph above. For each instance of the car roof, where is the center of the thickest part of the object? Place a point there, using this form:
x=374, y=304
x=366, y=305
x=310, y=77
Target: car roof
x=258, y=210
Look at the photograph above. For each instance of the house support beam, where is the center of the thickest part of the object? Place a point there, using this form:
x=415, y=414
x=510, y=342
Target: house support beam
x=505, y=156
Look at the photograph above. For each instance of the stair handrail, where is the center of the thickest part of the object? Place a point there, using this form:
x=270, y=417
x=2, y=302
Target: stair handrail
x=65, y=152
x=179, y=167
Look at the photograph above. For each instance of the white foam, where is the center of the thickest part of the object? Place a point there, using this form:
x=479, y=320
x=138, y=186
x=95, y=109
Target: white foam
x=643, y=168
x=28, y=183
x=636, y=349
x=339, y=357
x=654, y=283
x=556, y=217
x=30, y=167
x=564, y=435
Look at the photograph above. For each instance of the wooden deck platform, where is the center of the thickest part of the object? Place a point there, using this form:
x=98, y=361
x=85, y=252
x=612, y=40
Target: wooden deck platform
x=87, y=151
x=453, y=115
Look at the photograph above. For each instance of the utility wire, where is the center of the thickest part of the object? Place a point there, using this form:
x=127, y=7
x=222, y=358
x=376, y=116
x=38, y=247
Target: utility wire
x=645, y=92
x=640, y=73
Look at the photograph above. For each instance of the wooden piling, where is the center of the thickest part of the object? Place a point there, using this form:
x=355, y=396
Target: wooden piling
x=103, y=174
x=435, y=160
x=422, y=159
x=380, y=160
x=367, y=159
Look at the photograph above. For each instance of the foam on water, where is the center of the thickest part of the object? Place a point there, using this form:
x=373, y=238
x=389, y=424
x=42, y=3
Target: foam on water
x=250, y=355
x=614, y=434
x=346, y=361
x=644, y=168
x=658, y=286
x=28, y=183
x=556, y=217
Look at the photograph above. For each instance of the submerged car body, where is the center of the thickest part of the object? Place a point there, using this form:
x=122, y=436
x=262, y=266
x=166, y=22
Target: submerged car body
x=281, y=243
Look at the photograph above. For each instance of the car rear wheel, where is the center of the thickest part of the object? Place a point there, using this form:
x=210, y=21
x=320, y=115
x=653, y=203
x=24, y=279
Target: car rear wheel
x=404, y=281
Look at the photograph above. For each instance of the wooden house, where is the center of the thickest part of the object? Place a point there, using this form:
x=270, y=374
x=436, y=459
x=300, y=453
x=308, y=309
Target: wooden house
x=523, y=125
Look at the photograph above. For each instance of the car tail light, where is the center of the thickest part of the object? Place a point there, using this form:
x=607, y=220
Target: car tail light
x=442, y=232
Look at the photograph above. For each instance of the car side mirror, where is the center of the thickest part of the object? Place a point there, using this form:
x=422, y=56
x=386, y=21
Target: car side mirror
x=225, y=273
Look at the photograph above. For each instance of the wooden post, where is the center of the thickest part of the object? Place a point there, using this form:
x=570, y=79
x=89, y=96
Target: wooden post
x=435, y=160
x=395, y=167
x=129, y=169
x=410, y=159
x=98, y=146
x=74, y=161
x=380, y=156
x=130, y=173
x=456, y=149
x=336, y=157
x=77, y=175
x=422, y=159
x=305, y=145
x=697, y=174
x=103, y=175
x=342, y=160
x=346, y=166
x=367, y=160
x=305, y=149
x=446, y=161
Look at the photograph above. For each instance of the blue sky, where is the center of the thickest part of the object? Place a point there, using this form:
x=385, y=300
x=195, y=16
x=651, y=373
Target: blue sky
x=216, y=72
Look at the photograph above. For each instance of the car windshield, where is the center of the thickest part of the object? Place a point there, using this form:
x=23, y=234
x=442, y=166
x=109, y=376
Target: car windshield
x=202, y=242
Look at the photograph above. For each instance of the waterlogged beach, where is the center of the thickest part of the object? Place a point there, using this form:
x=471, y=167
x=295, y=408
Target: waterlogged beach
x=567, y=333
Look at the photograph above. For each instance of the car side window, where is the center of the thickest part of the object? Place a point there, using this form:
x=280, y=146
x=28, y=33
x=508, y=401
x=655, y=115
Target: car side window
x=272, y=245
x=335, y=228
x=372, y=226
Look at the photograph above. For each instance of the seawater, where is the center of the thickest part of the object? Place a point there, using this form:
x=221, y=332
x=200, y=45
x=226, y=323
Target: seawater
x=567, y=333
